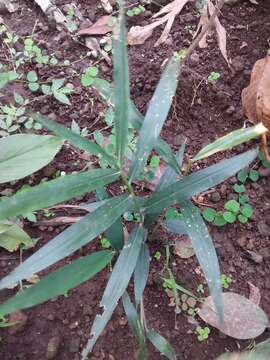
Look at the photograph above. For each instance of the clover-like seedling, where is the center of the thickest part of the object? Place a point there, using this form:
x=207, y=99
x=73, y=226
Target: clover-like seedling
x=225, y=281
x=253, y=175
x=89, y=76
x=242, y=176
x=213, y=76
x=209, y=214
x=105, y=244
x=157, y=255
x=137, y=10
x=188, y=304
x=202, y=333
x=265, y=163
x=239, y=188
x=245, y=213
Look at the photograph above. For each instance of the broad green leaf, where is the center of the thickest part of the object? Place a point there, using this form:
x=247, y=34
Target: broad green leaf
x=121, y=85
x=12, y=236
x=141, y=272
x=117, y=284
x=135, y=325
x=58, y=282
x=75, y=139
x=23, y=154
x=204, y=249
x=69, y=240
x=230, y=140
x=55, y=191
x=197, y=182
x=176, y=226
x=33, y=86
x=57, y=84
x=161, y=344
x=155, y=117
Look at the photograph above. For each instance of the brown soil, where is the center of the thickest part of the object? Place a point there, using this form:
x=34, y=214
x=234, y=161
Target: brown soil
x=201, y=112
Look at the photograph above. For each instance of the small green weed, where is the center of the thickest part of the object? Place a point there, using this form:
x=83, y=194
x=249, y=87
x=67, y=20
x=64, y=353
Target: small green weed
x=225, y=281
x=105, y=244
x=157, y=255
x=213, y=76
x=136, y=10
x=202, y=333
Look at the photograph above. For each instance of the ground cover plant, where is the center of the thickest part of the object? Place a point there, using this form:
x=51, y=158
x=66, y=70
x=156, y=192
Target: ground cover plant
x=175, y=188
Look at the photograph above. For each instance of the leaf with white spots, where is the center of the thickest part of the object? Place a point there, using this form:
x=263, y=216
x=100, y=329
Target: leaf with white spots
x=242, y=318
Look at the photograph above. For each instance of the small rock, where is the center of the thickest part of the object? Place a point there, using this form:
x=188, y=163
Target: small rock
x=263, y=228
x=194, y=58
x=123, y=321
x=74, y=345
x=87, y=310
x=242, y=241
x=233, y=180
x=265, y=253
x=215, y=197
x=52, y=116
x=49, y=170
x=53, y=347
x=20, y=319
x=51, y=317
x=230, y=110
x=252, y=255
x=238, y=64
x=264, y=172
x=232, y=196
x=223, y=189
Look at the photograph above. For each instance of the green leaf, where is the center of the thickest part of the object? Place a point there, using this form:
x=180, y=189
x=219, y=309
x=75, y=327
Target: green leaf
x=57, y=84
x=161, y=344
x=253, y=175
x=230, y=140
x=92, y=71
x=69, y=240
x=243, y=199
x=233, y=206
x=176, y=226
x=33, y=86
x=242, y=176
x=58, y=282
x=154, y=161
x=165, y=151
x=61, y=97
x=87, y=80
x=135, y=325
x=55, y=191
x=121, y=85
x=247, y=210
x=204, y=250
x=18, y=98
x=75, y=139
x=219, y=219
x=229, y=217
x=239, y=188
x=117, y=284
x=23, y=154
x=32, y=76
x=46, y=89
x=141, y=272
x=197, y=182
x=209, y=214
x=155, y=117
x=243, y=219
x=12, y=236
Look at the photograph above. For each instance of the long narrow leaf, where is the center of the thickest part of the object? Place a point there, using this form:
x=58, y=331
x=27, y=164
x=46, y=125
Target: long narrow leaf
x=77, y=140
x=69, y=240
x=155, y=117
x=203, y=246
x=161, y=344
x=196, y=183
x=168, y=177
x=55, y=191
x=141, y=272
x=165, y=151
x=23, y=154
x=230, y=140
x=58, y=282
x=117, y=284
x=135, y=325
x=121, y=85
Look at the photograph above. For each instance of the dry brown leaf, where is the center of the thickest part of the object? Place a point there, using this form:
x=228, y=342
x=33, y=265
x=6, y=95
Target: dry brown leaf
x=100, y=27
x=256, y=98
x=242, y=318
x=183, y=248
x=138, y=34
x=208, y=11
x=254, y=294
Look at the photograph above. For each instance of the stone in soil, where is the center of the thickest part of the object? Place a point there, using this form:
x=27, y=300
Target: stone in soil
x=53, y=347
x=74, y=345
